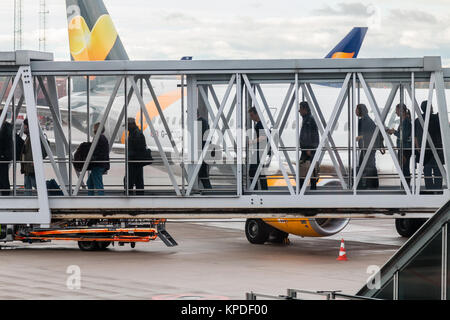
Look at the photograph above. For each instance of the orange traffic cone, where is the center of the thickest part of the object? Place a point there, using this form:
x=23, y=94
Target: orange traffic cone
x=342, y=253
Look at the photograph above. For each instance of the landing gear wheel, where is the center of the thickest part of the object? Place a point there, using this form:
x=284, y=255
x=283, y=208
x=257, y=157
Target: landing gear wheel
x=88, y=245
x=103, y=245
x=407, y=227
x=256, y=231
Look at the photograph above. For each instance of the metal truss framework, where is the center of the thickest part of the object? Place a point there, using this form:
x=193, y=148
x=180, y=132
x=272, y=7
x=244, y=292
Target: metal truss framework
x=244, y=81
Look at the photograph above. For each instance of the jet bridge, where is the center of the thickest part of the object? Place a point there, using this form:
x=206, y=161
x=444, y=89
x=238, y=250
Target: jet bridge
x=167, y=98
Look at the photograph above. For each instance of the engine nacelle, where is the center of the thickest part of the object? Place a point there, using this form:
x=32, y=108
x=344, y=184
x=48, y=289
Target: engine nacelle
x=321, y=227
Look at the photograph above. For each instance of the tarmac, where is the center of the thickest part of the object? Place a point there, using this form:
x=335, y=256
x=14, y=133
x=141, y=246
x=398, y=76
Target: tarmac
x=213, y=261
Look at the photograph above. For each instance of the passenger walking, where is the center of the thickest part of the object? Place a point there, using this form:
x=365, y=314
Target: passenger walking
x=203, y=174
x=433, y=176
x=99, y=164
x=366, y=128
x=137, y=150
x=6, y=155
x=27, y=165
x=258, y=145
x=309, y=141
x=403, y=134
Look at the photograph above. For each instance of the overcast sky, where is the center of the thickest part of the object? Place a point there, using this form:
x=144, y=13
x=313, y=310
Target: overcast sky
x=209, y=29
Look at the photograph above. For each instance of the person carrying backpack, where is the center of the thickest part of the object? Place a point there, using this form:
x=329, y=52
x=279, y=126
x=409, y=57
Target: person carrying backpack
x=99, y=164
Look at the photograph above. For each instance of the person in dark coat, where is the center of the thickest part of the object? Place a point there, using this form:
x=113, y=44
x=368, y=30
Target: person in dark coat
x=433, y=176
x=27, y=164
x=6, y=155
x=137, y=148
x=258, y=144
x=203, y=174
x=366, y=128
x=403, y=134
x=309, y=139
x=99, y=164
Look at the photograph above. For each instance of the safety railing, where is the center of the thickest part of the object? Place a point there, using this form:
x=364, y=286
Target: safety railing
x=294, y=294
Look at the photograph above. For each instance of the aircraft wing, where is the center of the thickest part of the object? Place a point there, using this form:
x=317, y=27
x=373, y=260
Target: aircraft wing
x=45, y=111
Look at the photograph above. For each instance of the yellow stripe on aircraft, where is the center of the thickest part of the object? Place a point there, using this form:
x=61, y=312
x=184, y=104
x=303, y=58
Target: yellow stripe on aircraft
x=342, y=55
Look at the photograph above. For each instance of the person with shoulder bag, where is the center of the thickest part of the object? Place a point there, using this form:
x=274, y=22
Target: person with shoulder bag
x=138, y=157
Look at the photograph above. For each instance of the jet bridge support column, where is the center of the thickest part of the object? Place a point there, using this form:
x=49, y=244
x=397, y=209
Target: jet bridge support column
x=444, y=123
x=192, y=127
x=41, y=213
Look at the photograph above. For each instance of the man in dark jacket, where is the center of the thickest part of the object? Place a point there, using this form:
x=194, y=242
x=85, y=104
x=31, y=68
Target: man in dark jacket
x=99, y=164
x=433, y=176
x=309, y=139
x=403, y=134
x=258, y=145
x=6, y=155
x=27, y=165
x=366, y=128
x=137, y=148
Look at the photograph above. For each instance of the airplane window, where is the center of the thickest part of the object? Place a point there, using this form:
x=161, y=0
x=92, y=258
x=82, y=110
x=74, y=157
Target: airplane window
x=294, y=124
x=174, y=120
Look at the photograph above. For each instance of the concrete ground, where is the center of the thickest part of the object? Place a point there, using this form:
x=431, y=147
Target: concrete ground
x=213, y=260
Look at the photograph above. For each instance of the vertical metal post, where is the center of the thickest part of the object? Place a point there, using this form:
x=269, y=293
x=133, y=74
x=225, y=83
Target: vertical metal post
x=444, y=259
x=239, y=135
x=395, y=286
x=402, y=102
x=297, y=140
x=354, y=131
x=69, y=130
x=183, y=133
x=127, y=177
x=413, y=133
x=425, y=132
x=443, y=121
x=14, y=164
x=88, y=104
x=192, y=105
x=141, y=112
x=349, y=142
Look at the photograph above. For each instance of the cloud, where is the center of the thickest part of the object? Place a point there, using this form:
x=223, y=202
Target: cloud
x=415, y=16
x=281, y=29
x=346, y=9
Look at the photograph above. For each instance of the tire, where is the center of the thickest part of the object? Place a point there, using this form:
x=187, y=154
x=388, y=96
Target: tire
x=88, y=245
x=407, y=227
x=103, y=245
x=256, y=231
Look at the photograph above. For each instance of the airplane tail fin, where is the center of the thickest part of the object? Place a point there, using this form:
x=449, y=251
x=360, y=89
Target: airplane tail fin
x=350, y=45
x=92, y=34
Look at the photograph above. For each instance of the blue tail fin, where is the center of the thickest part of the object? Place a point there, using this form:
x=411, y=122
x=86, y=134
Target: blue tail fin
x=350, y=45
